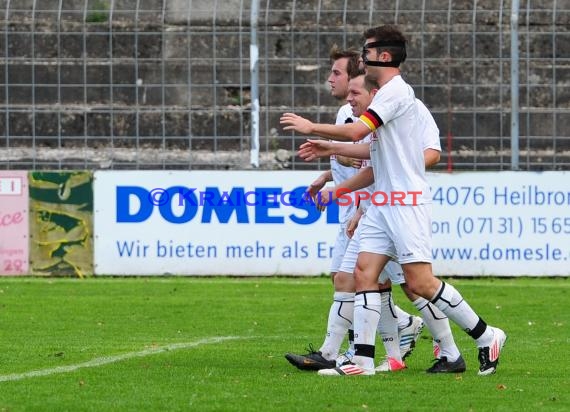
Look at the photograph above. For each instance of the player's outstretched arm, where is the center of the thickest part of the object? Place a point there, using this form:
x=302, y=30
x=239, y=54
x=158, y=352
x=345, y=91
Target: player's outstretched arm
x=353, y=222
x=342, y=132
x=313, y=149
x=349, y=162
x=319, y=183
x=364, y=178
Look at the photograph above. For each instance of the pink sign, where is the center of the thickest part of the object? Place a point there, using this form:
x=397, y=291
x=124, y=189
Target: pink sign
x=14, y=227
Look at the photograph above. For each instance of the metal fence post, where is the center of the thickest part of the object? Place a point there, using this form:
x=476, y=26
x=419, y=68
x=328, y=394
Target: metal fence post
x=515, y=85
x=254, y=68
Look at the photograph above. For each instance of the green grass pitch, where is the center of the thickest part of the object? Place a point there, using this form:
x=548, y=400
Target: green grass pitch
x=217, y=344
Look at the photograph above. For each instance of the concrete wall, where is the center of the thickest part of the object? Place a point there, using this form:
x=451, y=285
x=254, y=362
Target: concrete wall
x=176, y=74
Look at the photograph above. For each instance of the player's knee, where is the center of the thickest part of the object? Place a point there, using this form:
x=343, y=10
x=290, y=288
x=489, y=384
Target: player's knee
x=358, y=272
x=408, y=292
x=413, y=287
x=333, y=276
x=344, y=282
x=385, y=285
x=421, y=287
x=365, y=280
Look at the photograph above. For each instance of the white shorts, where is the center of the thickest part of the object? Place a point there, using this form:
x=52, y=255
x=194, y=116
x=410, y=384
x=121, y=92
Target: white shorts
x=349, y=260
x=400, y=232
x=392, y=271
x=339, y=248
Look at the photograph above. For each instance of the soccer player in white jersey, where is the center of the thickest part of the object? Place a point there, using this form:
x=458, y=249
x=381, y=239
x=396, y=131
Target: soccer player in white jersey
x=361, y=91
x=345, y=64
x=399, y=173
x=448, y=358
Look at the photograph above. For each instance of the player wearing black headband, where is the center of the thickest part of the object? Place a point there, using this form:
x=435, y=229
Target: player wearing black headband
x=397, y=161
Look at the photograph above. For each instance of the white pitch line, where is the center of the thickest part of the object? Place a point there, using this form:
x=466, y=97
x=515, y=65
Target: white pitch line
x=93, y=363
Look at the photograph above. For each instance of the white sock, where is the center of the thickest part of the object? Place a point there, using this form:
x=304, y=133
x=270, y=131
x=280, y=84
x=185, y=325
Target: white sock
x=388, y=326
x=450, y=302
x=403, y=317
x=367, y=306
x=340, y=319
x=351, y=338
x=438, y=325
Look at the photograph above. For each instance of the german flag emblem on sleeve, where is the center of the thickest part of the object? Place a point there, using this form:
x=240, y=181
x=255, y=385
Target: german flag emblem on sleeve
x=371, y=119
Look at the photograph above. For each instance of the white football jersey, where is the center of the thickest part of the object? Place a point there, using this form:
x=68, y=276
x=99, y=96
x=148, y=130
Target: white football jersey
x=365, y=203
x=430, y=130
x=396, y=151
x=339, y=172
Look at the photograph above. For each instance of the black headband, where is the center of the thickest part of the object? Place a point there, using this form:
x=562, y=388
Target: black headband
x=379, y=44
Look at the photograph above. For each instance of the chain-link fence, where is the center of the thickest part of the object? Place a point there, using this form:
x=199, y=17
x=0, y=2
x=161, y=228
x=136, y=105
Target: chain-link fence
x=167, y=83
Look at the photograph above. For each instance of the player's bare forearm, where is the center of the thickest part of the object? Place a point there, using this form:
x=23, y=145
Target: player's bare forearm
x=355, y=151
x=364, y=178
x=313, y=149
x=344, y=132
x=349, y=161
x=345, y=161
x=353, y=222
x=350, y=132
x=319, y=183
x=327, y=176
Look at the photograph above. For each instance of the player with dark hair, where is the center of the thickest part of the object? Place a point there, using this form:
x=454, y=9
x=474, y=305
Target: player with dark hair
x=448, y=358
x=345, y=65
x=398, y=164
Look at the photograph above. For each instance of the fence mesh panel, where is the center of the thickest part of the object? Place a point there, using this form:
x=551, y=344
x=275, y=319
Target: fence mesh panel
x=166, y=84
